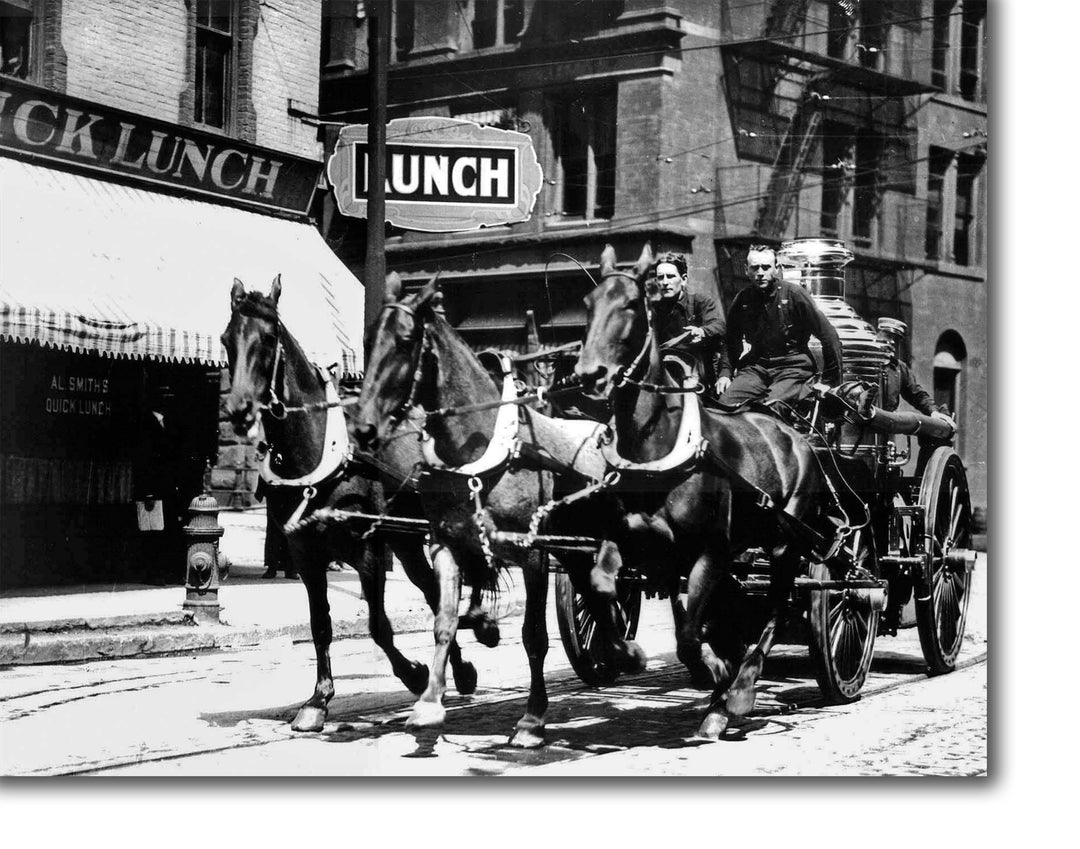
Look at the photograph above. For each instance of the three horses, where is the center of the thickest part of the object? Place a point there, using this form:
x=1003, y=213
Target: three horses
x=480, y=502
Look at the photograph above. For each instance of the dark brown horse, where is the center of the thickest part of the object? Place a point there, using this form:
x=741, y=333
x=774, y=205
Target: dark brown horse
x=308, y=446
x=418, y=360
x=703, y=518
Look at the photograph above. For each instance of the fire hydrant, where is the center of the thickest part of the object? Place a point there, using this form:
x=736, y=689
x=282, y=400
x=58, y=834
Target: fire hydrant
x=205, y=564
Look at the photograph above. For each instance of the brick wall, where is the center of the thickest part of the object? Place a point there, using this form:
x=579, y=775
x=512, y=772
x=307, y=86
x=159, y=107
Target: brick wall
x=134, y=56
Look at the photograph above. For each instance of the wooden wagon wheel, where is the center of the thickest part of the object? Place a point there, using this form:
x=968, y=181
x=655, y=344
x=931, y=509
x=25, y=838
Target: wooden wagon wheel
x=943, y=591
x=579, y=631
x=842, y=625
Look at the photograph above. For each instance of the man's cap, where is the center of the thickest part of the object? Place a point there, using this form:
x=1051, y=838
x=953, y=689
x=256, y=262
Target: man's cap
x=892, y=325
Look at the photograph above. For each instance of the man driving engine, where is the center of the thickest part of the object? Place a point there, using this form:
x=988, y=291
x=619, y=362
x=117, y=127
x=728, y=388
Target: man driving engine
x=768, y=332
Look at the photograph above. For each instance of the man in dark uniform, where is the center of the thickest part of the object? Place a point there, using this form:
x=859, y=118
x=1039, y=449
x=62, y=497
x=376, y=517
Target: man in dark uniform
x=899, y=381
x=690, y=323
x=775, y=319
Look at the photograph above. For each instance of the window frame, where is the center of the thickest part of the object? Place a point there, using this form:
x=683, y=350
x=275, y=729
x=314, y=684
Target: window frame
x=231, y=88
x=500, y=19
x=598, y=107
x=35, y=40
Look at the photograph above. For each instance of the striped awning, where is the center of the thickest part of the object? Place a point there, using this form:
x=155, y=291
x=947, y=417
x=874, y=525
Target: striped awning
x=87, y=265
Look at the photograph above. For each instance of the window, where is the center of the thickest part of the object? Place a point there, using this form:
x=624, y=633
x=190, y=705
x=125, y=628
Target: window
x=865, y=202
x=950, y=355
x=838, y=165
x=872, y=34
x=839, y=27
x=967, y=170
x=583, y=136
x=496, y=22
x=939, y=60
x=17, y=53
x=972, y=28
x=215, y=27
x=404, y=15
x=935, y=202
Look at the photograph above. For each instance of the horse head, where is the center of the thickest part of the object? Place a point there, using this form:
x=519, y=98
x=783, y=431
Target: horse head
x=251, y=341
x=617, y=321
x=394, y=362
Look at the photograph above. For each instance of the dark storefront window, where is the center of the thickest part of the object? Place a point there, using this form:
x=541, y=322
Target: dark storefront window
x=839, y=30
x=215, y=27
x=935, y=202
x=583, y=131
x=16, y=39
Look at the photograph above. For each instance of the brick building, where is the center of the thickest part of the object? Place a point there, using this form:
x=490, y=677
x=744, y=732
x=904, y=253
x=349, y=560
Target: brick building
x=150, y=153
x=703, y=126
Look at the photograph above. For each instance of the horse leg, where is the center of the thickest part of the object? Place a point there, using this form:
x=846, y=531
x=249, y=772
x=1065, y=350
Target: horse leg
x=601, y=598
x=428, y=710
x=722, y=650
x=412, y=674
x=484, y=626
x=705, y=669
x=785, y=563
x=312, y=714
x=529, y=731
x=419, y=572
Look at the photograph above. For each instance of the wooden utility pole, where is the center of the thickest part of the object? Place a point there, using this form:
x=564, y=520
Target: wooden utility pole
x=378, y=15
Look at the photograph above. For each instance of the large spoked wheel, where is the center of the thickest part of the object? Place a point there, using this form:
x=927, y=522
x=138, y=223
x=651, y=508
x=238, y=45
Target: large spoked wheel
x=843, y=626
x=580, y=633
x=944, y=589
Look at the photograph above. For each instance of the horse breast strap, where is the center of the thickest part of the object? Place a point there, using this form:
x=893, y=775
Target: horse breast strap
x=335, y=444
x=689, y=447
x=500, y=447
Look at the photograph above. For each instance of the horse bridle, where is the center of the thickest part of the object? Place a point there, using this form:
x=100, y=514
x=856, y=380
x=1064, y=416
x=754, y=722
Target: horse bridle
x=624, y=374
x=403, y=409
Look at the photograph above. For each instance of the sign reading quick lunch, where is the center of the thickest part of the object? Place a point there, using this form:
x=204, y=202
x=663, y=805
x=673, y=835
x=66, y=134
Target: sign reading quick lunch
x=442, y=175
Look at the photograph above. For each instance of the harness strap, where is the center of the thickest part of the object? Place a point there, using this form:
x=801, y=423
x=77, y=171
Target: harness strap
x=335, y=453
x=497, y=454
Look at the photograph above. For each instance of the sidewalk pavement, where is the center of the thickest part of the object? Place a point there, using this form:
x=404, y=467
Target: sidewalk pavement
x=102, y=621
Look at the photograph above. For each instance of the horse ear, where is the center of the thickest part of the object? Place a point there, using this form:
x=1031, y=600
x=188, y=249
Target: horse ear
x=645, y=261
x=393, y=286
x=275, y=290
x=430, y=294
x=607, y=260
x=237, y=293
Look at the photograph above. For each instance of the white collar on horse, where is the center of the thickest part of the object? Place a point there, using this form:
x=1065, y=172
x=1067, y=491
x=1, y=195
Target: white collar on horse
x=335, y=453
x=500, y=448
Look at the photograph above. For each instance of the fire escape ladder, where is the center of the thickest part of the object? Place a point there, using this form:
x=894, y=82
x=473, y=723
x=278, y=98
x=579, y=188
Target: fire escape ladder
x=789, y=168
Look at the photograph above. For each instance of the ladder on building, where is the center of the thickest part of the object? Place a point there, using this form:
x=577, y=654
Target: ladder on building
x=789, y=168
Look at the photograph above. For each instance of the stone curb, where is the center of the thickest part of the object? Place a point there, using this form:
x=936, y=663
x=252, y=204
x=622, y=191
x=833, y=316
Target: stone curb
x=161, y=634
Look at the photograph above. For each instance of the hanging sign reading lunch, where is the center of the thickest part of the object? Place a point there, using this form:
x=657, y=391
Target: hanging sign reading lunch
x=442, y=175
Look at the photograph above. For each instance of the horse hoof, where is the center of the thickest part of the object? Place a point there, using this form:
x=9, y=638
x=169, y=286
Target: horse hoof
x=426, y=715
x=713, y=726
x=486, y=631
x=309, y=718
x=416, y=678
x=740, y=702
x=465, y=678
x=635, y=659
x=528, y=733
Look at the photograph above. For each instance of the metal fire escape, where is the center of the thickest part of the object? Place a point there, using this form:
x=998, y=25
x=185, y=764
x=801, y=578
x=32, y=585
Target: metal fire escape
x=789, y=167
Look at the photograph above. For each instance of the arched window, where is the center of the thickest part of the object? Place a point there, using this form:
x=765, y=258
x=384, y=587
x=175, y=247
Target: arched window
x=949, y=356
